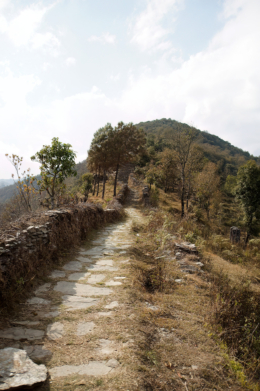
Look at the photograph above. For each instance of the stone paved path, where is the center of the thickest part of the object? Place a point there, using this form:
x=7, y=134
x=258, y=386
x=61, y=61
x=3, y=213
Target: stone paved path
x=77, y=322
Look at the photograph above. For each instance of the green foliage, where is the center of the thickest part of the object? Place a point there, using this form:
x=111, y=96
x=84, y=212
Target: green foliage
x=86, y=181
x=207, y=187
x=57, y=163
x=111, y=148
x=248, y=192
x=230, y=185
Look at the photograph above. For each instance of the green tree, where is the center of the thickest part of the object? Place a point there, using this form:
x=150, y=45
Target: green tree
x=126, y=144
x=100, y=158
x=207, y=187
x=248, y=192
x=86, y=181
x=230, y=184
x=57, y=163
x=182, y=141
x=168, y=169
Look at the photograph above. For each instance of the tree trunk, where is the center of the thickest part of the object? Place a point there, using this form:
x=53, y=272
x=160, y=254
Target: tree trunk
x=98, y=177
x=85, y=197
x=207, y=210
x=187, y=203
x=52, y=202
x=117, y=168
x=94, y=187
x=150, y=186
x=104, y=184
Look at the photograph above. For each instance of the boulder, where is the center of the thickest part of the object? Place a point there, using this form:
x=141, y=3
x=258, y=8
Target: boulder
x=18, y=370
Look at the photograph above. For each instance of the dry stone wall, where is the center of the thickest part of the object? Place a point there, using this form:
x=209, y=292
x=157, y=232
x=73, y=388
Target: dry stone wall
x=35, y=249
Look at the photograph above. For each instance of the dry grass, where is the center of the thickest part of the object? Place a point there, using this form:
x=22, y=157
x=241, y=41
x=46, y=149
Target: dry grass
x=176, y=351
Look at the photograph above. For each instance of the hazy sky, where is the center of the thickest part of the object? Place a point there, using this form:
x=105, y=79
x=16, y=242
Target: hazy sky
x=68, y=67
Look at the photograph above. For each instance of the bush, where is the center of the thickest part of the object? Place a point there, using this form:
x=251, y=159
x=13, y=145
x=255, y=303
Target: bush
x=236, y=313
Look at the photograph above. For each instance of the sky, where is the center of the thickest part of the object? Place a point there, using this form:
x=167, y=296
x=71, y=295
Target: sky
x=68, y=67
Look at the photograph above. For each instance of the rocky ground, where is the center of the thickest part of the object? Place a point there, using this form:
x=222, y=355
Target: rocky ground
x=95, y=327
x=79, y=322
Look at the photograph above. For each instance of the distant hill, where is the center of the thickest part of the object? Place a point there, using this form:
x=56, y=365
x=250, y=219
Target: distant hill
x=225, y=155
x=6, y=182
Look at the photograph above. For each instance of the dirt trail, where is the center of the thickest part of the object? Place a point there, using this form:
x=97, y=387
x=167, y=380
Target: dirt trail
x=79, y=322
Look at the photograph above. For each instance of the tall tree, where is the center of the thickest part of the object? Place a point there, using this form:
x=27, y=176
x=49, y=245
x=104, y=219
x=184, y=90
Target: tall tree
x=57, y=163
x=207, y=187
x=168, y=169
x=127, y=143
x=248, y=192
x=100, y=153
x=182, y=141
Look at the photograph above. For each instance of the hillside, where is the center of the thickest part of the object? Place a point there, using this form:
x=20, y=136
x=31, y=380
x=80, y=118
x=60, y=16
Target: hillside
x=221, y=152
x=6, y=182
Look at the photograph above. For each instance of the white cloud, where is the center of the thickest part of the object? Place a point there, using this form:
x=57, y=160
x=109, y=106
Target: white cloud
x=23, y=29
x=70, y=61
x=115, y=77
x=148, y=30
x=217, y=89
x=104, y=38
x=46, y=66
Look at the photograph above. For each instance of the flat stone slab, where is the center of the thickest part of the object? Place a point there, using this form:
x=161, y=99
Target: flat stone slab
x=102, y=313
x=100, y=268
x=84, y=260
x=42, y=288
x=119, y=278
x=73, y=303
x=57, y=274
x=38, y=352
x=55, y=330
x=113, y=283
x=73, y=266
x=85, y=328
x=78, y=276
x=71, y=288
x=105, y=262
x=96, y=278
x=92, y=251
x=19, y=333
x=37, y=301
x=93, y=368
x=26, y=323
x=18, y=370
x=51, y=314
x=112, y=305
x=105, y=347
x=113, y=363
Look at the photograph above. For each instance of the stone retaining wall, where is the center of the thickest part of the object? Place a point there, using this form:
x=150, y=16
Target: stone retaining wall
x=34, y=250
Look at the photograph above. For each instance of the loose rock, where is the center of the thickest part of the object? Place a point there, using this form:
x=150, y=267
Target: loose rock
x=55, y=330
x=17, y=370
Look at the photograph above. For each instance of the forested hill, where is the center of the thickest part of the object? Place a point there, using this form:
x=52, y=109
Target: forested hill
x=217, y=150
